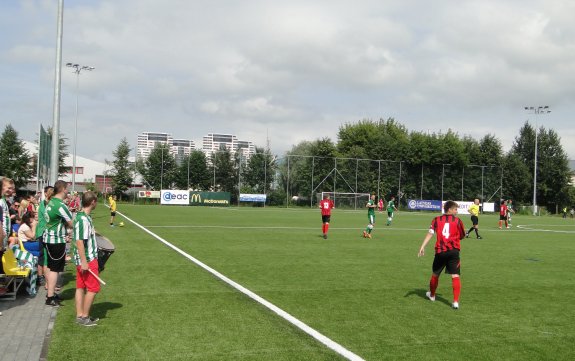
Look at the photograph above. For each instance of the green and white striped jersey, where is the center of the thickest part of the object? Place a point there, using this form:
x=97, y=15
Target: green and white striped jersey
x=5, y=221
x=84, y=230
x=57, y=215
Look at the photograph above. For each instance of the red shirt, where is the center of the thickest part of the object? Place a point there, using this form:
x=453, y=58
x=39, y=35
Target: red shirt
x=326, y=205
x=503, y=210
x=449, y=231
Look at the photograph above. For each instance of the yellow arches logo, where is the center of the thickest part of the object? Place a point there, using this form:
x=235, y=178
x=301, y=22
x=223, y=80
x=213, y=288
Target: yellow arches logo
x=196, y=198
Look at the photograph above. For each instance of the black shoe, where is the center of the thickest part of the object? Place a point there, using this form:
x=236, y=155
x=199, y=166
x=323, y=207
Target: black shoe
x=466, y=235
x=325, y=236
x=479, y=237
x=51, y=301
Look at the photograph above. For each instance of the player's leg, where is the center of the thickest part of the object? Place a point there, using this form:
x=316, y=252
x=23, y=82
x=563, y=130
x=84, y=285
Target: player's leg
x=389, y=217
x=370, y=225
x=454, y=268
x=436, y=269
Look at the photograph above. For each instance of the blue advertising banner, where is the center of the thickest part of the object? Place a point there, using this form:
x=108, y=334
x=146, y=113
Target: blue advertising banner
x=252, y=197
x=423, y=205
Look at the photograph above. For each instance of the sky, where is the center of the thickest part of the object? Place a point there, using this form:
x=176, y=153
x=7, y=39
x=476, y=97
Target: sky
x=287, y=71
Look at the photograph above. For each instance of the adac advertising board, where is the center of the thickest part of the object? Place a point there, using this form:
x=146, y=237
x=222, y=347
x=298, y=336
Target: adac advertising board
x=178, y=197
x=210, y=199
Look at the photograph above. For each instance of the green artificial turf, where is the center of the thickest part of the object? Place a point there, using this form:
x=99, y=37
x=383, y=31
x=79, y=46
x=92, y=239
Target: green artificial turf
x=518, y=287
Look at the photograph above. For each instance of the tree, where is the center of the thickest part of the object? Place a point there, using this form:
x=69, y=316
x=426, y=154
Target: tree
x=14, y=159
x=225, y=171
x=259, y=171
x=553, y=172
x=121, y=173
x=62, y=153
x=193, y=172
x=159, y=169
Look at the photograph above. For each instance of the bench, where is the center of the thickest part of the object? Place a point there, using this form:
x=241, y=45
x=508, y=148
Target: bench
x=13, y=275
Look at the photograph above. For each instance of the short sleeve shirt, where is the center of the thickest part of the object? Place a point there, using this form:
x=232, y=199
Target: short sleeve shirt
x=57, y=215
x=371, y=210
x=390, y=206
x=84, y=230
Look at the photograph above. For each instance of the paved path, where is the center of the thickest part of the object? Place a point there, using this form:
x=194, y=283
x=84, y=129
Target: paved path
x=25, y=327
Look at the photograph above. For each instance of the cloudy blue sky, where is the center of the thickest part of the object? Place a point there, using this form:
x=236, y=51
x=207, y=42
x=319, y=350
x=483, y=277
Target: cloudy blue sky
x=292, y=70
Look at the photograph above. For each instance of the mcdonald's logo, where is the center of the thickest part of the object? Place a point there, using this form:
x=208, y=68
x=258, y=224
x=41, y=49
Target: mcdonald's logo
x=196, y=198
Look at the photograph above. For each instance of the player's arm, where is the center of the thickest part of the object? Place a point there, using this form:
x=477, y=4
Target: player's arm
x=82, y=254
x=425, y=242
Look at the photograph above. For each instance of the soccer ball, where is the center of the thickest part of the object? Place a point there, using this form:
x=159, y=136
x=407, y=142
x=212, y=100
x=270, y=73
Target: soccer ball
x=121, y=224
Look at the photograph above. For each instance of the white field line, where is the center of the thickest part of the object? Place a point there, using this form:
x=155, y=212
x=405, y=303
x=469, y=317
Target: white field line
x=339, y=349
x=528, y=228
x=286, y=227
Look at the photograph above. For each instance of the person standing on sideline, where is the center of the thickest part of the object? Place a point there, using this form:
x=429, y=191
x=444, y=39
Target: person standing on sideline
x=390, y=209
x=370, y=216
x=503, y=214
x=6, y=191
x=58, y=228
x=564, y=212
x=326, y=205
x=449, y=231
x=474, y=211
x=112, y=201
x=86, y=260
x=510, y=211
x=40, y=229
x=380, y=205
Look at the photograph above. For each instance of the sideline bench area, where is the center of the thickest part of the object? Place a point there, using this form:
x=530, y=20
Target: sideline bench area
x=13, y=276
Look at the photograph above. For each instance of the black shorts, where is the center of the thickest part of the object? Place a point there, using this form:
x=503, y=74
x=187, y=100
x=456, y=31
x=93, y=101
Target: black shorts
x=502, y=218
x=325, y=219
x=475, y=220
x=56, y=256
x=113, y=214
x=449, y=260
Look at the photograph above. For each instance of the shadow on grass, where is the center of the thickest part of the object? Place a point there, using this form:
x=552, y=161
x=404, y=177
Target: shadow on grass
x=101, y=309
x=421, y=293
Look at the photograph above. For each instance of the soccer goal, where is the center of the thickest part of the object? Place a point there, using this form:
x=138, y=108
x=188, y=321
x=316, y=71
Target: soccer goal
x=346, y=200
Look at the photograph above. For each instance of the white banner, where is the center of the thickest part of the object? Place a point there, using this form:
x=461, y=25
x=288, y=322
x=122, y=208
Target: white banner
x=175, y=197
x=464, y=207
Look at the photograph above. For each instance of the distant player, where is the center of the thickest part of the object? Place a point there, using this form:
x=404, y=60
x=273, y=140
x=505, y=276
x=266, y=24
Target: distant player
x=326, y=205
x=474, y=211
x=503, y=214
x=449, y=231
x=112, y=201
x=370, y=216
x=390, y=209
x=380, y=205
x=510, y=211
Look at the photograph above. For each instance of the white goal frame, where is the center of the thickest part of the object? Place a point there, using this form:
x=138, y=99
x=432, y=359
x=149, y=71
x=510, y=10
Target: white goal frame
x=358, y=200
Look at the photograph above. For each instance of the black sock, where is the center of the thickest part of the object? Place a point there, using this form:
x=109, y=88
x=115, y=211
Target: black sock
x=470, y=229
x=476, y=232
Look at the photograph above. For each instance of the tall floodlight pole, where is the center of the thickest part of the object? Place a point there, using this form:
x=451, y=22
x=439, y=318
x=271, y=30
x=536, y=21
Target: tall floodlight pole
x=55, y=149
x=542, y=109
x=77, y=70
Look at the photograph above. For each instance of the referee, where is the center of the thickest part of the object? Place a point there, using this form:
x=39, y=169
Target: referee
x=474, y=211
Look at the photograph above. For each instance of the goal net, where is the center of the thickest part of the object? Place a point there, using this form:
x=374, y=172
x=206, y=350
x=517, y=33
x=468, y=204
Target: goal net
x=346, y=200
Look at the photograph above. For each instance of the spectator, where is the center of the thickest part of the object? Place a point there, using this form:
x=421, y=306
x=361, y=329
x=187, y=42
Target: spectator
x=40, y=228
x=58, y=220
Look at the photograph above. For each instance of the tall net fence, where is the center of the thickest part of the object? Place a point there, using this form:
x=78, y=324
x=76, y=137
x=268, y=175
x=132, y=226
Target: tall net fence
x=306, y=176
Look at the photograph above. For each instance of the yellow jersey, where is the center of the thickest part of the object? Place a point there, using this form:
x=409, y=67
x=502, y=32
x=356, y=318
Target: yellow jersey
x=474, y=210
x=112, y=204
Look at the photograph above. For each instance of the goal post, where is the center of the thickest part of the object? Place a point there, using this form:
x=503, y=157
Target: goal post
x=346, y=200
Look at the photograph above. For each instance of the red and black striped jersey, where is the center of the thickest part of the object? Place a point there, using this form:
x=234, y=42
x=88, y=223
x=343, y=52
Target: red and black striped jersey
x=503, y=210
x=449, y=231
